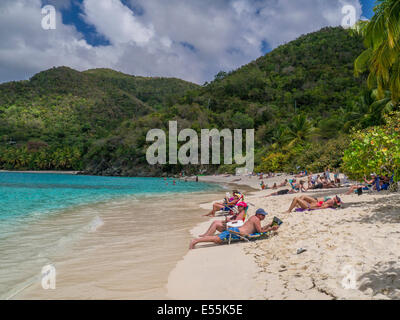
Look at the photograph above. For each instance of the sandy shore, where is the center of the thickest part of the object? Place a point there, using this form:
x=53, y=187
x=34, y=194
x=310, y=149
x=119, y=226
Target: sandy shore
x=352, y=253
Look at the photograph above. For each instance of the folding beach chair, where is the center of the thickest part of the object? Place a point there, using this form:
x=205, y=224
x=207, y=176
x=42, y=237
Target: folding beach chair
x=227, y=210
x=236, y=236
x=231, y=209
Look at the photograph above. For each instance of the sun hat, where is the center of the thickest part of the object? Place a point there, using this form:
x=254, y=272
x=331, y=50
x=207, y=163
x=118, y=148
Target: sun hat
x=242, y=204
x=338, y=201
x=261, y=211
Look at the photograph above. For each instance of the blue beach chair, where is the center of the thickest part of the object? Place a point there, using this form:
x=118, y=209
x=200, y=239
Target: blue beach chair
x=236, y=236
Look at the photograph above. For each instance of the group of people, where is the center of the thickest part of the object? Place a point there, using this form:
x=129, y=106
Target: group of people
x=251, y=226
x=377, y=182
x=236, y=208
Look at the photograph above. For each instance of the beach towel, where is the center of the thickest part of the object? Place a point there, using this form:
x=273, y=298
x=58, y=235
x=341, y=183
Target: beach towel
x=302, y=210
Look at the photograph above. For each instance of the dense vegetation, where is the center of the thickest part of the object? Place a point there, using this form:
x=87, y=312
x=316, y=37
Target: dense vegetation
x=377, y=149
x=302, y=99
x=51, y=121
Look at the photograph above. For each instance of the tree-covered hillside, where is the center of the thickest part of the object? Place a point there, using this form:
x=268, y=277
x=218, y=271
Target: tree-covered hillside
x=302, y=99
x=61, y=112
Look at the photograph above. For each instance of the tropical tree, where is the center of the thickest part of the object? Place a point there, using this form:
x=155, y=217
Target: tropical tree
x=368, y=110
x=299, y=130
x=376, y=149
x=382, y=55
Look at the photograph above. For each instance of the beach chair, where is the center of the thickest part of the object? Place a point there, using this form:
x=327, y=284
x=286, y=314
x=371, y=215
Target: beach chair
x=231, y=209
x=236, y=236
x=227, y=210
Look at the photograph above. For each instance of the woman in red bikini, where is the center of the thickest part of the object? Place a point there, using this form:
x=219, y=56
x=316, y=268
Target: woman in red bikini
x=310, y=203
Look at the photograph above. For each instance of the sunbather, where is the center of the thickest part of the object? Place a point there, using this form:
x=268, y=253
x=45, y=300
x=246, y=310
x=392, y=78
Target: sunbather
x=220, y=225
x=282, y=192
x=284, y=183
x=313, y=203
x=227, y=203
x=364, y=186
x=251, y=226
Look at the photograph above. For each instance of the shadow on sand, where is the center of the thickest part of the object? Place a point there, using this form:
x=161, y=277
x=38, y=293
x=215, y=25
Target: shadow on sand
x=383, y=279
x=384, y=210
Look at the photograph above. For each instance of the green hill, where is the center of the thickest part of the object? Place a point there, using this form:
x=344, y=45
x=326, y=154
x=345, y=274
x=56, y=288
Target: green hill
x=62, y=110
x=302, y=94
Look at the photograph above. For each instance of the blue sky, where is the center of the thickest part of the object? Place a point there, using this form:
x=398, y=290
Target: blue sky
x=188, y=39
x=367, y=6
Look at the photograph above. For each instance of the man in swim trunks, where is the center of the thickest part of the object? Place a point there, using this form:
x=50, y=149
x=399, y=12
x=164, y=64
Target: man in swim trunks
x=220, y=225
x=252, y=225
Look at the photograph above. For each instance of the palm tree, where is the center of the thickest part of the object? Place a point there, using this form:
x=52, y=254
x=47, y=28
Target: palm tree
x=278, y=137
x=299, y=130
x=382, y=56
x=367, y=111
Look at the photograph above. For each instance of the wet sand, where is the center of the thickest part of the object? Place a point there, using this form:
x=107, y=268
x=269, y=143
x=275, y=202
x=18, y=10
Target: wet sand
x=125, y=251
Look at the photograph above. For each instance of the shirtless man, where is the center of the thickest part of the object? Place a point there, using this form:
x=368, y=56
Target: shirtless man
x=251, y=226
x=220, y=225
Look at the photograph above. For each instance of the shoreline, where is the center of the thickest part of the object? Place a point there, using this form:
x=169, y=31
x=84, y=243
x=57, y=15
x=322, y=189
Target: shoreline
x=100, y=249
x=225, y=272
x=351, y=253
x=41, y=172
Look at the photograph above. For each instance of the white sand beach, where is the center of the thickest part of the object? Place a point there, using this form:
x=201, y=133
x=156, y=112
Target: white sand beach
x=351, y=253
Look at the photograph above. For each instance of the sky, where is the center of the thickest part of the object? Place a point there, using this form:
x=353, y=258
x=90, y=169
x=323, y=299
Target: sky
x=188, y=39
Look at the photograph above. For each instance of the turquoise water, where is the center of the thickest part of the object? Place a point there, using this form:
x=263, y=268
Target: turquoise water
x=45, y=217
x=28, y=195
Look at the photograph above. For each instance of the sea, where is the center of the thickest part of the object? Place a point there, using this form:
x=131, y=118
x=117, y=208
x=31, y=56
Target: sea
x=101, y=237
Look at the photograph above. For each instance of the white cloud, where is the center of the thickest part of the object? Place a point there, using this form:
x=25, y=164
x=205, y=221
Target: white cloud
x=116, y=22
x=192, y=40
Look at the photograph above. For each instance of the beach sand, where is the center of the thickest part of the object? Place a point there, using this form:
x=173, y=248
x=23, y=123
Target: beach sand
x=351, y=253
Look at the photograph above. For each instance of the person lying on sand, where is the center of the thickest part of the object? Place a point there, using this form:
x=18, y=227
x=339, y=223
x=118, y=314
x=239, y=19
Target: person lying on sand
x=220, y=225
x=284, y=183
x=301, y=174
x=321, y=183
x=231, y=202
x=297, y=186
x=251, y=226
x=310, y=203
x=281, y=192
x=300, y=186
